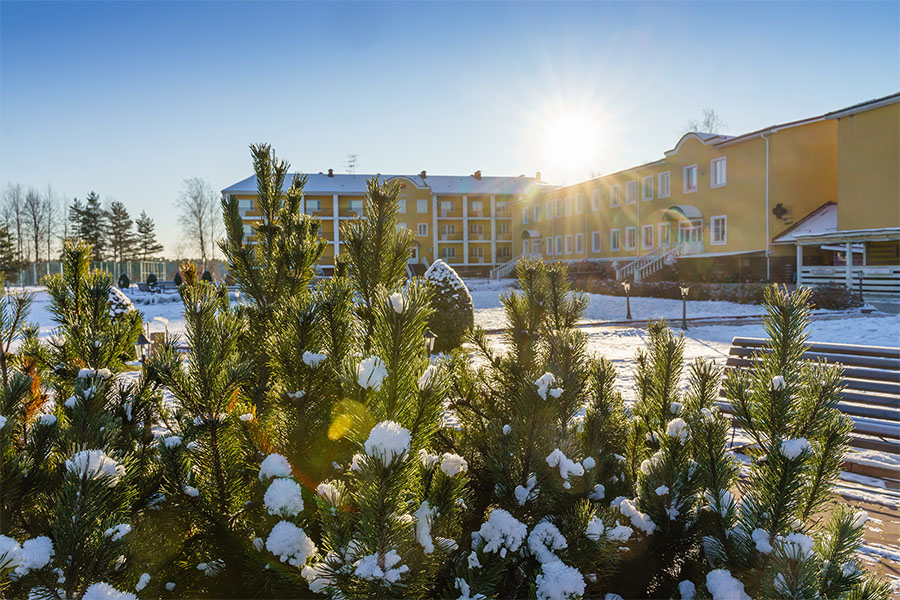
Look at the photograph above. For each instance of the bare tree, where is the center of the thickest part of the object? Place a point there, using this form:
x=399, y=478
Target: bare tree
x=51, y=219
x=198, y=207
x=13, y=199
x=710, y=122
x=34, y=210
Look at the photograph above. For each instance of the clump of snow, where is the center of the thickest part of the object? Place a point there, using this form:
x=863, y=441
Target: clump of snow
x=639, y=519
x=859, y=519
x=723, y=586
x=387, y=441
x=246, y=417
x=47, y=419
x=89, y=373
x=283, y=498
x=427, y=459
x=566, y=466
x=506, y=429
x=619, y=533
x=2, y=421
x=367, y=567
x=543, y=540
x=190, y=490
x=290, y=543
x=71, y=402
x=558, y=581
x=778, y=383
x=589, y=463
x=595, y=528
x=662, y=490
x=760, y=537
x=465, y=592
x=119, y=303
x=142, y=582
x=313, y=359
x=397, y=302
x=10, y=552
x=523, y=493
x=103, y=591
x=118, y=532
x=791, y=449
x=543, y=384
x=170, y=585
x=597, y=493
x=687, y=590
x=274, y=465
x=427, y=377
x=95, y=463
x=371, y=373
x=501, y=533
x=35, y=554
x=329, y=492
x=423, y=527
x=316, y=576
x=798, y=545
x=453, y=464
x=678, y=428
x=675, y=408
x=171, y=441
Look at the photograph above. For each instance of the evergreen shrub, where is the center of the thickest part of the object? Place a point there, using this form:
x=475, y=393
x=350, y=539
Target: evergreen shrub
x=454, y=313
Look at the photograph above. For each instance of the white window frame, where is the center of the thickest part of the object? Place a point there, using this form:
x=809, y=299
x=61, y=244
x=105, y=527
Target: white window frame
x=713, y=166
x=596, y=198
x=401, y=226
x=447, y=206
x=502, y=228
x=579, y=243
x=313, y=203
x=419, y=204
x=401, y=207
x=477, y=206
x=712, y=230
x=664, y=191
x=633, y=231
x=549, y=244
x=525, y=246
x=570, y=244
x=579, y=203
x=615, y=196
x=536, y=213
x=659, y=235
x=448, y=252
x=567, y=206
x=245, y=204
x=684, y=176
x=525, y=216
x=548, y=210
x=477, y=251
x=558, y=208
x=631, y=191
x=448, y=229
x=536, y=246
x=356, y=205
x=504, y=252
x=596, y=241
x=646, y=180
x=615, y=240
x=422, y=229
x=644, y=230
x=476, y=228
x=559, y=246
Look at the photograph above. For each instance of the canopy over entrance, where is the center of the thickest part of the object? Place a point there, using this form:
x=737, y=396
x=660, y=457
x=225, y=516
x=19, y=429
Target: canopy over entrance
x=683, y=211
x=528, y=234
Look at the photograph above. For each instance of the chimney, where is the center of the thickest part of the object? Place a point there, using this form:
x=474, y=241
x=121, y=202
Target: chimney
x=477, y=175
x=331, y=172
x=422, y=174
x=537, y=175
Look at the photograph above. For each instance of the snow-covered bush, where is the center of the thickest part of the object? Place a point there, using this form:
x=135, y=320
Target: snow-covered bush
x=454, y=313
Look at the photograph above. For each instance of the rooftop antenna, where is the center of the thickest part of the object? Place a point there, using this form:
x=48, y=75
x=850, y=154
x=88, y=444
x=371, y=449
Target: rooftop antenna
x=352, y=161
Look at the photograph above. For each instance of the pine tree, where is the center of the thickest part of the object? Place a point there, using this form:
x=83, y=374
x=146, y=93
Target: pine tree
x=8, y=261
x=119, y=232
x=454, y=313
x=89, y=224
x=147, y=245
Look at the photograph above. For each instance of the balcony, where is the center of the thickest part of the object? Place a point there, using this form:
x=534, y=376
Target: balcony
x=476, y=237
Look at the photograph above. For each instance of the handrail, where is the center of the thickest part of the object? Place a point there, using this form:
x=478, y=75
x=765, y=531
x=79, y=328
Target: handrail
x=504, y=269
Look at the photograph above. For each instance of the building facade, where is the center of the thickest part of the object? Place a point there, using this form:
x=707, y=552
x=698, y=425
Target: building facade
x=464, y=220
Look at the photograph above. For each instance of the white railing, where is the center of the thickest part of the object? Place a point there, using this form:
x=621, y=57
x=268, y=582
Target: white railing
x=876, y=282
x=647, y=264
x=504, y=269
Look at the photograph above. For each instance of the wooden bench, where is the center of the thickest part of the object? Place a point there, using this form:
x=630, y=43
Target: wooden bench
x=871, y=394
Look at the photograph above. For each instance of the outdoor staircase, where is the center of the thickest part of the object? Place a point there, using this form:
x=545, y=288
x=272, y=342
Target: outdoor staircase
x=653, y=261
x=505, y=269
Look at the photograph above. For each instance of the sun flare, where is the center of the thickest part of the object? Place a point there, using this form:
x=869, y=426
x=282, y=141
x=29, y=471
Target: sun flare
x=570, y=143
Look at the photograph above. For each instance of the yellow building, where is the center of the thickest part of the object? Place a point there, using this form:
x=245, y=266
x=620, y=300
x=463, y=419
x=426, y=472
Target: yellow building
x=464, y=220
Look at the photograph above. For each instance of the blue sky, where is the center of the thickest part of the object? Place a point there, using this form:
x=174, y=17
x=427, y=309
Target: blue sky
x=129, y=99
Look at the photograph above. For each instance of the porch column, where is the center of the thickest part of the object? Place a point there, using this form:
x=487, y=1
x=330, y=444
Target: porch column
x=337, y=222
x=799, y=265
x=434, y=226
x=465, y=225
x=494, y=230
x=849, y=269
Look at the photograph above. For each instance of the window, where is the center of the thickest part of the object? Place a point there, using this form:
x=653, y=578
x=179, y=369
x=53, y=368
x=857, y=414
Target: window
x=476, y=229
x=614, y=195
x=248, y=231
x=504, y=253
x=549, y=246
x=630, y=192
x=662, y=185
x=536, y=216
x=559, y=248
x=401, y=207
x=548, y=210
x=718, y=231
x=595, y=200
x=245, y=204
x=448, y=252
x=647, y=237
x=614, y=240
x=502, y=228
x=595, y=241
x=401, y=227
x=422, y=229
x=717, y=172
x=414, y=255
x=579, y=204
x=422, y=206
x=567, y=203
x=579, y=243
x=446, y=206
x=524, y=216
x=502, y=208
x=356, y=206
x=476, y=207
x=647, y=188
x=313, y=206
x=559, y=207
x=630, y=235
x=535, y=246
x=690, y=179
x=448, y=230
x=569, y=244
x=663, y=235
x=477, y=252
x=525, y=246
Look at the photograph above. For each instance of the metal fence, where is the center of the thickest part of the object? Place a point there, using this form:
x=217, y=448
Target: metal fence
x=137, y=270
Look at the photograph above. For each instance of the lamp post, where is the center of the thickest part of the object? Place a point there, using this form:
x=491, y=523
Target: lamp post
x=627, y=287
x=428, y=338
x=142, y=348
x=684, y=294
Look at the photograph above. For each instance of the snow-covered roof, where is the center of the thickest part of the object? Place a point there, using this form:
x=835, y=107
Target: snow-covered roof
x=320, y=183
x=864, y=106
x=820, y=221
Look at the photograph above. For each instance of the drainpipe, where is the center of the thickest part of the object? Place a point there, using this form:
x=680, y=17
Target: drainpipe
x=768, y=239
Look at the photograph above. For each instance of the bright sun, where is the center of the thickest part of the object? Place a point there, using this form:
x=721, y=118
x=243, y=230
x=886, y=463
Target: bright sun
x=570, y=144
